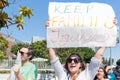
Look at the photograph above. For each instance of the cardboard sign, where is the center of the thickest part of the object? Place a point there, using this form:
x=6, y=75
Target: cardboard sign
x=81, y=25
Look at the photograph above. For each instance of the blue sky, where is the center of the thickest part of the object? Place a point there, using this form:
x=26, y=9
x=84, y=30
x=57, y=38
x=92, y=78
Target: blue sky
x=36, y=25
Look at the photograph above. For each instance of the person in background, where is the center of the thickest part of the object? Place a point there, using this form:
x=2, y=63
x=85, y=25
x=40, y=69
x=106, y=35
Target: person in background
x=117, y=72
x=110, y=73
x=28, y=70
x=101, y=74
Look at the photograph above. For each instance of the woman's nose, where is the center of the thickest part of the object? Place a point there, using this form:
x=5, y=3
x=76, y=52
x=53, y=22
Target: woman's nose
x=72, y=61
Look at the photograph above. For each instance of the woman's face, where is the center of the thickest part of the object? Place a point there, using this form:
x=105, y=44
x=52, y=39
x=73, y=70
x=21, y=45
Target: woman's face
x=100, y=74
x=74, y=64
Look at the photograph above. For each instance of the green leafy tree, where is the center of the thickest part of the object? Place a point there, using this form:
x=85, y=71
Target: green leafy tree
x=118, y=62
x=86, y=53
x=3, y=43
x=2, y=55
x=110, y=61
x=104, y=61
x=3, y=47
x=6, y=20
x=40, y=49
x=107, y=61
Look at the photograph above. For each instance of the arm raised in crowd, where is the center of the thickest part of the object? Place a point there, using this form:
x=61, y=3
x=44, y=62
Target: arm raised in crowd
x=99, y=53
x=52, y=53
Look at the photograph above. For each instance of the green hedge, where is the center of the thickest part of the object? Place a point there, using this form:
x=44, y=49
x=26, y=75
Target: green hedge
x=39, y=71
x=4, y=71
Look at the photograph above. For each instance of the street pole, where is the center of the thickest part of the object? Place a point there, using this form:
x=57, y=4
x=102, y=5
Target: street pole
x=111, y=58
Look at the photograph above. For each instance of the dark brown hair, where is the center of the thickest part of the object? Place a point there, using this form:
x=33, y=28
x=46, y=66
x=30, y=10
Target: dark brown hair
x=75, y=54
x=105, y=74
x=30, y=51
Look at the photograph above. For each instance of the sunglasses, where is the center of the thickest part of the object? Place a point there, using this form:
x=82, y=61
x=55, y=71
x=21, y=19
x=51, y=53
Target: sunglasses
x=76, y=60
x=21, y=52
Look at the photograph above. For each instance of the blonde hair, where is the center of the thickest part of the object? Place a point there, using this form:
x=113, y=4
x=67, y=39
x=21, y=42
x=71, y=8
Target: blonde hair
x=75, y=76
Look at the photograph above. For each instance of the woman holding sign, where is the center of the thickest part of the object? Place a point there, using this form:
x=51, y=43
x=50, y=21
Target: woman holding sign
x=74, y=68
